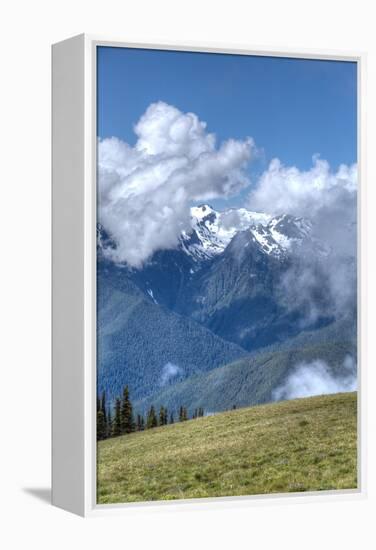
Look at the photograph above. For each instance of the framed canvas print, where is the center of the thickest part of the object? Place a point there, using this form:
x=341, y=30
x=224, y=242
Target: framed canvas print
x=206, y=272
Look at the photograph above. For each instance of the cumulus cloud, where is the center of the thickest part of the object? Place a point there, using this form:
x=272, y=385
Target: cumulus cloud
x=169, y=372
x=287, y=190
x=316, y=378
x=145, y=191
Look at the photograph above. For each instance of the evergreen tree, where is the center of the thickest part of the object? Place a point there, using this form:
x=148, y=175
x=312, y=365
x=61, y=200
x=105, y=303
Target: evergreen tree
x=127, y=424
x=152, y=421
x=109, y=423
x=195, y=414
x=103, y=407
x=200, y=412
x=183, y=414
x=101, y=426
x=171, y=418
x=161, y=416
x=140, y=423
x=116, y=424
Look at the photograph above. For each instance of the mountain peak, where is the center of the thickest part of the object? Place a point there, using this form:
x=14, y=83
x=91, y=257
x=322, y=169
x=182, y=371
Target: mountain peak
x=213, y=230
x=201, y=211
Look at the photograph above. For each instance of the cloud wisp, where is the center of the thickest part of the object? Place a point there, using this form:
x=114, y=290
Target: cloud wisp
x=169, y=372
x=316, y=378
x=145, y=191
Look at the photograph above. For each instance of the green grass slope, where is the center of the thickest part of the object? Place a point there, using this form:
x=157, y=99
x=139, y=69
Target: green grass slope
x=300, y=445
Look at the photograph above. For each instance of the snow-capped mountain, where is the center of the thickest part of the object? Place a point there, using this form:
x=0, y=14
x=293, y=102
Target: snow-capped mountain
x=218, y=295
x=281, y=234
x=212, y=231
x=227, y=273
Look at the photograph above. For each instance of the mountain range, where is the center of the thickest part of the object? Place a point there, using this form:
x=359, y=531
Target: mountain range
x=204, y=314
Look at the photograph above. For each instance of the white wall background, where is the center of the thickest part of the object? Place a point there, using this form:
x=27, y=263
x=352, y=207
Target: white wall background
x=27, y=30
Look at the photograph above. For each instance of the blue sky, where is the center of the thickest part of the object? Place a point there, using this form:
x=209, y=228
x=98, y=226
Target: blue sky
x=293, y=108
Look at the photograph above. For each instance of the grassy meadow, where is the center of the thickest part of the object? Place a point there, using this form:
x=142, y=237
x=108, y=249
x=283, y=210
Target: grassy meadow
x=300, y=445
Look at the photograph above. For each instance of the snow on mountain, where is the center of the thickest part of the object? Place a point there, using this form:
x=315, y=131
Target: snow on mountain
x=281, y=234
x=212, y=231
x=151, y=294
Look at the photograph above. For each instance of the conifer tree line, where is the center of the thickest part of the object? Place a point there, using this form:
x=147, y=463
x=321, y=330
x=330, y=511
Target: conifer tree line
x=123, y=420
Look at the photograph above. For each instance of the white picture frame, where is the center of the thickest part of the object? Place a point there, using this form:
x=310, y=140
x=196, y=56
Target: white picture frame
x=74, y=275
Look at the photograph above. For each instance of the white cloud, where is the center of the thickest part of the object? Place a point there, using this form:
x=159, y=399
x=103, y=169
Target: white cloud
x=287, y=190
x=169, y=372
x=315, y=378
x=145, y=191
x=328, y=198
